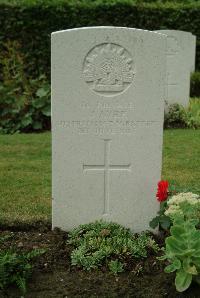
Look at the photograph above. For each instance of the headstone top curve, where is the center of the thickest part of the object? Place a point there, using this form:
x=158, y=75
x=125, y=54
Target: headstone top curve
x=173, y=31
x=106, y=27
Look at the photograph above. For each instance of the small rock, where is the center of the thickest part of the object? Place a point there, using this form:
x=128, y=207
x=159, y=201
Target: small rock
x=20, y=244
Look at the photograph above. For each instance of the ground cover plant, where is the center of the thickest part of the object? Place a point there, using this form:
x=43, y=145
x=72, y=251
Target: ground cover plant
x=54, y=276
x=108, y=244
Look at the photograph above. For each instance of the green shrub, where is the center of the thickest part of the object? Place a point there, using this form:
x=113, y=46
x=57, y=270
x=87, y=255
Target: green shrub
x=30, y=23
x=195, y=84
x=24, y=102
x=175, y=116
x=16, y=268
x=108, y=244
x=179, y=117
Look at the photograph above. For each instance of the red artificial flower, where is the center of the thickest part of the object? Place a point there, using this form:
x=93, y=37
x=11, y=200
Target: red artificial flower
x=162, y=191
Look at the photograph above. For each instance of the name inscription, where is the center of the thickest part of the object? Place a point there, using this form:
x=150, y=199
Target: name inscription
x=105, y=118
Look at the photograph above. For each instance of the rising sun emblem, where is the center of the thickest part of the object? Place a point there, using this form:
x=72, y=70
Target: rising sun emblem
x=108, y=69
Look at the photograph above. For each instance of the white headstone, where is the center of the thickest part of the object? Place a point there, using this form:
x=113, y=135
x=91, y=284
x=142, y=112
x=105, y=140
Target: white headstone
x=181, y=47
x=107, y=124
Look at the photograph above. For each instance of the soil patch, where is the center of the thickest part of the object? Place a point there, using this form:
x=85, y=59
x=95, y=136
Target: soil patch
x=54, y=277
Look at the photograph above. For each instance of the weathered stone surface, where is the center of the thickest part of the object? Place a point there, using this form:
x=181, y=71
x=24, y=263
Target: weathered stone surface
x=108, y=89
x=181, y=48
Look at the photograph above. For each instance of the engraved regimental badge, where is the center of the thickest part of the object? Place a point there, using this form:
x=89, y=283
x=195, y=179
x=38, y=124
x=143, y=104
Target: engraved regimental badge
x=108, y=69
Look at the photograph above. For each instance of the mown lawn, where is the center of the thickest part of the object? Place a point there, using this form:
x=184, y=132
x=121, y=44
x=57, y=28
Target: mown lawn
x=25, y=171
x=181, y=159
x=25, y=177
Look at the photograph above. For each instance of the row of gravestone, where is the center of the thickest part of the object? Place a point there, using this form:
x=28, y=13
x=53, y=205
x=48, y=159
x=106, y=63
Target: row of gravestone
x=108, y=93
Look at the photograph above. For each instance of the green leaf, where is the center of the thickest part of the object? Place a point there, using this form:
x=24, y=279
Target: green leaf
x=38, y=103
x=162, y=258
x=41, y=92
x=165, y=222
x=175, y=246
x=174, y=266
x=154, y=222
x=46, y=111
x=182, y=280
x=26, y=121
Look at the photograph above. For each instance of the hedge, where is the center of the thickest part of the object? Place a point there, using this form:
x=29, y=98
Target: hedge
x=30, y=23
x=195, y=84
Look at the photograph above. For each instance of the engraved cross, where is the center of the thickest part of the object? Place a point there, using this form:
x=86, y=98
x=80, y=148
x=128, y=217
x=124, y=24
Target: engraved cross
x=106, y=168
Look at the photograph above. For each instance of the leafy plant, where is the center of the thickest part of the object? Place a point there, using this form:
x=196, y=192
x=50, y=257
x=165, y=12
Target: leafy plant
x=183, y=246
x=161, y=221
x=175, y=116
x=97, y=243
x=116, y=266
x=4, y=238
x=24, y=102
x=193, y=113
x=16, y=268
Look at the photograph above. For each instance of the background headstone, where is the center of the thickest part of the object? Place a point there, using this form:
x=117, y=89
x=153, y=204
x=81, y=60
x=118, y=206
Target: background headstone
x=193, y=52
x=181, y=48
x=108, y=89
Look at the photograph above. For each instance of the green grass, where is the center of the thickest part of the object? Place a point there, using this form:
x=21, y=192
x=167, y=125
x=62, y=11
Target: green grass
x=25, y=171
x=181, y=159
x=25, y=177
